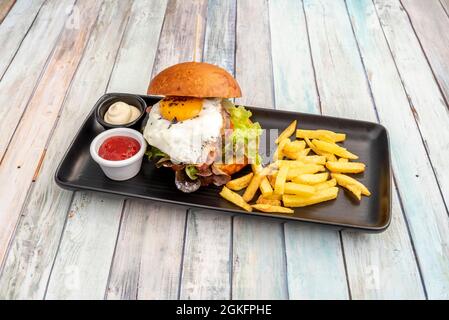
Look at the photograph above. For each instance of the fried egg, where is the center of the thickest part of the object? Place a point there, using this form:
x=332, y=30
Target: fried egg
x=186, y=129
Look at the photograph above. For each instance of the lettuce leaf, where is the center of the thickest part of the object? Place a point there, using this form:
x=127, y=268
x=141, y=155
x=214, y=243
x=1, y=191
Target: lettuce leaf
x=153, y=153
x=192, y=171
x=244, y=129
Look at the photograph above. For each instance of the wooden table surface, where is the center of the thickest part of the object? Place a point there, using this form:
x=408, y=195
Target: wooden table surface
x=384, y=61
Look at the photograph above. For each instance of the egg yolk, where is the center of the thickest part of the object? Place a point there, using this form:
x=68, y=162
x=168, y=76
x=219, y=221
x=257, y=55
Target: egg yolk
x=180, y=108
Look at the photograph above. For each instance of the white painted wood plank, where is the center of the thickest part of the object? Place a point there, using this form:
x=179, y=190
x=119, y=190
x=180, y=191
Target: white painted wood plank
x=21, y=77
x=427, y=102
x=259, y=266
x=140, y=13
x=344, y=92
x=259, y=259
x=206, y=268
x=445, y=5
x=5, y=7
x=25, y=150
x=207, y=261
x=294, y=81
x=253, y=68
x=219, y=43
x=431, y=24
x=14, y=28
x=46, y=208
x=375, y=275
x=417, y=186
x=160, y=273
x=75, y=273
x=143, y=255
x=315, y=264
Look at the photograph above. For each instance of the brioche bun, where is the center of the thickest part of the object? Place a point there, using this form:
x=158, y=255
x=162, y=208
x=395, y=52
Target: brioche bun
x=195, y=79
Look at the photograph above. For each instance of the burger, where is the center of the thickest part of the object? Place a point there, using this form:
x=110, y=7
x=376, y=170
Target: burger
x=195, y=129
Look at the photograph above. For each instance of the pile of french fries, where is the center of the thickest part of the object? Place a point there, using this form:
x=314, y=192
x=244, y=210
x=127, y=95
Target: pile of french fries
x=296, y=178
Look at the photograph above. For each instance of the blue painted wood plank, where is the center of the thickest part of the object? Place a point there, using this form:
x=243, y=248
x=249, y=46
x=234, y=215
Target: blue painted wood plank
x=315, y=263
x=344, y=91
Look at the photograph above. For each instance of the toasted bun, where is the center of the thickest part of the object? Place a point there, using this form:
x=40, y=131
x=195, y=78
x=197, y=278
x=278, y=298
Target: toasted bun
x=195, y=79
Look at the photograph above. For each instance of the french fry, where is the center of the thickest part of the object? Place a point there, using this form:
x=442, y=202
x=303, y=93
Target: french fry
x=329, y=156
x=344, y=180
x=294, y=146
x=272, y=179
x=325, y=185
x=299, y=189
x=251, y=190
x=307, y=168
x=289, y=163
x=355, y=190
x=305, y=152
x=273, y=202
x=265, y=187
x=291, y=155
x=311, y=179
x=240, y=183
x=256, y=168
x=334, y=148
x=342, y=160
x=287, y=132
x=278, y=154
x=235, y=198
x=272, y=209
x=300, y=201
x=325, y=135
x=280, y=180
x=345, y=167
x=274, y=197
x=312, y=159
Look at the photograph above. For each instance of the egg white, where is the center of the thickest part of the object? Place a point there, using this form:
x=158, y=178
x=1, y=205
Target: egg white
x=187, y=141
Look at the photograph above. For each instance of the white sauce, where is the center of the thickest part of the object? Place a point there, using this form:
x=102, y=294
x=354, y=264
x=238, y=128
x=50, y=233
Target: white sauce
x=121, y=113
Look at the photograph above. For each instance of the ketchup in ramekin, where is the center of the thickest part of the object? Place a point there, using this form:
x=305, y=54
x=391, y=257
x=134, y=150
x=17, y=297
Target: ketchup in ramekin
x=119, y=152
x=117, y=148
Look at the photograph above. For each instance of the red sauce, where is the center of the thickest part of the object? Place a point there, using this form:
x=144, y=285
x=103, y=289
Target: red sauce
x=118, y=148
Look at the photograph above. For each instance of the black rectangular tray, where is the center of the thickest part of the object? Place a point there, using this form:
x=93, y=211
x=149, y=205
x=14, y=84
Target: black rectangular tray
x=78, y=171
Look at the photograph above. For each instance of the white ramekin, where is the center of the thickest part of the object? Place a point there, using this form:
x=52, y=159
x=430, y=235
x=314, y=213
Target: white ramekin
x=122, y=169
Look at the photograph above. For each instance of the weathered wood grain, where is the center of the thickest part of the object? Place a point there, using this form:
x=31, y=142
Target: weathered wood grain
x=431, y=24
x=139, y=48
x=5, y=7
x=75, y=272
x=445, y=5
x=25, y=150
x=140, y=26
x=426, y=100
x=47, y=205
x=173, y=47
x=417, y=186
x=259, y=266
x=253, y=68
x=219, y=43
x=207, y=262
x=16, y=90
x=14, y=28
x=142, y=255
x=294, y=80
x=315, y=265
x=344, y=92
x=21, y=77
